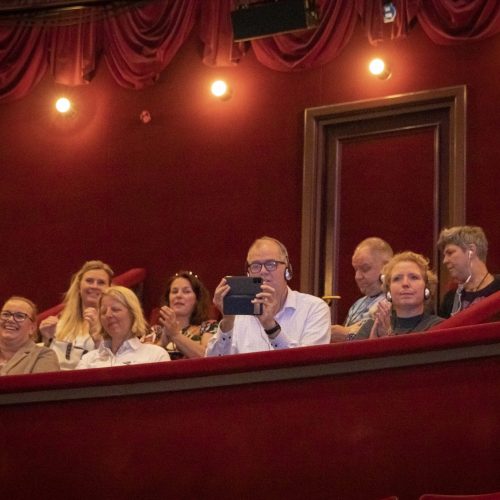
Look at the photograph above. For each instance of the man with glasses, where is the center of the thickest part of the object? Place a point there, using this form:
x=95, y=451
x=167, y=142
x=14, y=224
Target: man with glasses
x=18, y=353
x=289, y=318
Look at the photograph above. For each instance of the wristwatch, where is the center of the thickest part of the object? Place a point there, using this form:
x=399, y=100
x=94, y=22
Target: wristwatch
x=274, y=329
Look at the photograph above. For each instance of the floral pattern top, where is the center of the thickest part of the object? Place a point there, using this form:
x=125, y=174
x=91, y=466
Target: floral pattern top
x=193, y=332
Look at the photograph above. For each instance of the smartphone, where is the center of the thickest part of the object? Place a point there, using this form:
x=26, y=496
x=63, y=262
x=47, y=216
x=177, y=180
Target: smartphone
x=240, y=296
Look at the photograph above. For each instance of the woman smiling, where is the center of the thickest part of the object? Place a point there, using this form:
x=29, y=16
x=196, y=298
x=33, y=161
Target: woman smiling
x=122, y=323
x=18, y=352
x=77, y=330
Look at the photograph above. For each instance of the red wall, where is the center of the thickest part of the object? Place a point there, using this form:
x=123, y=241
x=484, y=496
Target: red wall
x=194, y=187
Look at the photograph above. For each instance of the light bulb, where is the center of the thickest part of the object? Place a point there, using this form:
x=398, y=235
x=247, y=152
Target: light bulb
x=378, y=68
x=63, y=105
x=220, y=89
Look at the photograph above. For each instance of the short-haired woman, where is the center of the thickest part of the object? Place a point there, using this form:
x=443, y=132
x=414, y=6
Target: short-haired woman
x=18, y=352
x=122, y=324
x=409, y=284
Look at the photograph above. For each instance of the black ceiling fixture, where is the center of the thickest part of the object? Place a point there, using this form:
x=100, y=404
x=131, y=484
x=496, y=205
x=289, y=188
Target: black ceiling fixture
x=266, y=18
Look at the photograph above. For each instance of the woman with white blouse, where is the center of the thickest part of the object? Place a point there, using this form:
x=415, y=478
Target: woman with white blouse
x=122, y=324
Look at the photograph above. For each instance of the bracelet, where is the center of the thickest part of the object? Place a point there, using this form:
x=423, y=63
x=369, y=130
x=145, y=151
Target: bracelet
x=274, y=329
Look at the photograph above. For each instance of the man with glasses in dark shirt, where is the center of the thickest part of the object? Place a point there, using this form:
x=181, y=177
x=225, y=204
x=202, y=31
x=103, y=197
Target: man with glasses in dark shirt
x=289, y=318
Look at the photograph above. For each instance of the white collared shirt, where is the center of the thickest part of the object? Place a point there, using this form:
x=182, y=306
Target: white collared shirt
x=131, y=352
x=304, y=320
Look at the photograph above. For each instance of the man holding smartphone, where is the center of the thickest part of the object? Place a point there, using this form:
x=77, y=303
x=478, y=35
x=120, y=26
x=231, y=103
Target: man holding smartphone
x=288, y=318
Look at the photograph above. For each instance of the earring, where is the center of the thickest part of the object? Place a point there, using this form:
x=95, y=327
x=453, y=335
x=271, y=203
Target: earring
x=427, y=293
x=388, y=296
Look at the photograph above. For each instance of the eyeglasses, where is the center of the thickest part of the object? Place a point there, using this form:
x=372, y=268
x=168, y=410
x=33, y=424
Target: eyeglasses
x=18, y=317
x=270, y=265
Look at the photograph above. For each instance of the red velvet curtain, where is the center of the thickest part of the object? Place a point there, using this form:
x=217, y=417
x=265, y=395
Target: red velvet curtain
x=139, y=43
x=453, y=21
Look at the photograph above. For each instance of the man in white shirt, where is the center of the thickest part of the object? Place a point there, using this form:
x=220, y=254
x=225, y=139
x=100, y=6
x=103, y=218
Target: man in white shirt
x=289, y=318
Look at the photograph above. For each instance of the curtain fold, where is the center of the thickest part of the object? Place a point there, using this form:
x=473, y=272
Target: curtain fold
x=448, y=22
x=23, y=60
x=139, y=43
x=216, y=33
x=72, y=53
x=372, y=18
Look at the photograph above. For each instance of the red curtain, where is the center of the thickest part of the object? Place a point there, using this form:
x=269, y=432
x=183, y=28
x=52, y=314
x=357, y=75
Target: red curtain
x=449, y=22
x=139, y=43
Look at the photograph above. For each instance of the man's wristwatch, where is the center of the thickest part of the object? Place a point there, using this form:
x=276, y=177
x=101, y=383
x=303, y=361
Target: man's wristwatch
x=274, y=329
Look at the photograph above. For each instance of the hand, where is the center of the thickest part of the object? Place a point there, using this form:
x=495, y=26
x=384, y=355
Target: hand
x=339, y=333
x=382, y=325
x=221, y=291
x=91, y=316
x=270, y=306
x=48, y=327
x=170, y=325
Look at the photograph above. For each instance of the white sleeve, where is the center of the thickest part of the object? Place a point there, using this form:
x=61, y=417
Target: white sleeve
x=317, y=326
x=220, y=344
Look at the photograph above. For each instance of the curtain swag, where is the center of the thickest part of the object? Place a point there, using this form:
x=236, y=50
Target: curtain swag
x=138, y=43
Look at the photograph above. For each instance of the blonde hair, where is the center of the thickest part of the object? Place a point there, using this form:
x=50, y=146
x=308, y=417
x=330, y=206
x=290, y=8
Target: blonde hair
x=129, y=299
x=71, y=323
x=422, y=263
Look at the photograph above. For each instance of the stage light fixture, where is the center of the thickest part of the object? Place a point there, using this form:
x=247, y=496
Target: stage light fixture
x=379, y=68
x=63, y=105
x=221, y=90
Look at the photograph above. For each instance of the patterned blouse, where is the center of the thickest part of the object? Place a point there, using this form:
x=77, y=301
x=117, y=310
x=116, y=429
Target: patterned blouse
x=193, y=332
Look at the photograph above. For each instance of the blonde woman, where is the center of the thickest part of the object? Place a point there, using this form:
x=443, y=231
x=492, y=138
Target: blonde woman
x=409, y=284
x=78, y=328
x=123, y=324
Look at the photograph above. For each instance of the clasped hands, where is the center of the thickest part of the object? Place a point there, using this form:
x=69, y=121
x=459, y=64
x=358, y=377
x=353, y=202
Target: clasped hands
x=170, y=326
x=382, y=326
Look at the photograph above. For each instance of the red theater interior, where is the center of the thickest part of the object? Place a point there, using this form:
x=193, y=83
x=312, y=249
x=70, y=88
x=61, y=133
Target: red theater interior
x=151, y=173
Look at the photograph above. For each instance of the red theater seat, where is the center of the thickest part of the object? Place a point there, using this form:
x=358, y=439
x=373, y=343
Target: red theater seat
x=478, y=313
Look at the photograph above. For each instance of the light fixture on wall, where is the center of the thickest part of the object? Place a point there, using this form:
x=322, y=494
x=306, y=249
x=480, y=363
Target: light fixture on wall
x=379, y=68
x=221, y=90
x=64, y=106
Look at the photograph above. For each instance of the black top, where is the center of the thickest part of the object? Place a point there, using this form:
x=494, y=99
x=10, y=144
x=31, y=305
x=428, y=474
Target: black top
x=400, y=326
x=467, y=298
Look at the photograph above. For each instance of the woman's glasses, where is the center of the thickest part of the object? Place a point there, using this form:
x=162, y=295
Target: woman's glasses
x=18, y=317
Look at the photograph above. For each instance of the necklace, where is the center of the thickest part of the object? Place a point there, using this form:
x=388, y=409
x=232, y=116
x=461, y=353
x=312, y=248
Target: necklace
x=475, y=289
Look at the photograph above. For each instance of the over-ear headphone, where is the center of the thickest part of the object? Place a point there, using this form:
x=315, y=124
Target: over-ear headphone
x=427, y=295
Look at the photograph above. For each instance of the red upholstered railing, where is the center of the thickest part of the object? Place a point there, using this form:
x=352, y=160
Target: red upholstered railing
x=364, y=420
x=481, y=312
x=131, y=278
